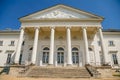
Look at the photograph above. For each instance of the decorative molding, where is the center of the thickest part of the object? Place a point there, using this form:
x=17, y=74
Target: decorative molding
x=56, y=14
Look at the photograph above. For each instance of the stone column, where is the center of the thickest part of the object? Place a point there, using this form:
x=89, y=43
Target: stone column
x=69, y=54
x=51, y=54
x=102, y=44
x=17, y=56
x=35, y=45
x=86, y=45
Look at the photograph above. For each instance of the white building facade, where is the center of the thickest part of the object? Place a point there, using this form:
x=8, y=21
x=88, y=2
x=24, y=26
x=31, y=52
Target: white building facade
x=61, y=36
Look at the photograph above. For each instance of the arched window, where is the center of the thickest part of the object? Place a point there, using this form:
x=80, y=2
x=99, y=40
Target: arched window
x=74, y=49
x=45, y=57
x=46, y=48
x=60, y=55
x=75, y=56
x=60, y=49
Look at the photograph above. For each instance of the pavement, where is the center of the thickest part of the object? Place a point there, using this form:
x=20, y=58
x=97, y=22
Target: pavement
x=8, y=77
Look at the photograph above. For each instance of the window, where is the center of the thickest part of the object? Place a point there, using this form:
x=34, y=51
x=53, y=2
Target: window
x=12, y=43
x=1, y=43
x=75, y=56
x=60, y=55
x=99, y=43
x=8, y=59
x=9, y=56
x=111, y=43
x=114, y=57
x=45, y=57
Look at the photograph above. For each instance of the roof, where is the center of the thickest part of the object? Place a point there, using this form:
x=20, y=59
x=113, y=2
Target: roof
x=9, y=31
x=111, y=30
x=41, y=12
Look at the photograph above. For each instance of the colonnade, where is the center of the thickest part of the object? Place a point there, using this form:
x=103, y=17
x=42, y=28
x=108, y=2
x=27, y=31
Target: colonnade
x=52, y=37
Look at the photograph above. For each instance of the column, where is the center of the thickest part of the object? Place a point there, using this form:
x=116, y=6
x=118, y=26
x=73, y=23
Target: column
x=69, y=55
x=86, y=45
x=35, y=45
x=102, y=44
x=17, y=56
x=51, y=46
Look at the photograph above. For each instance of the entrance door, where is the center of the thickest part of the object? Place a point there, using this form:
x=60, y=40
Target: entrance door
x=60, y=56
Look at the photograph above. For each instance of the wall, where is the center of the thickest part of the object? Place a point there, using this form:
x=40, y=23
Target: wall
x=7, y=37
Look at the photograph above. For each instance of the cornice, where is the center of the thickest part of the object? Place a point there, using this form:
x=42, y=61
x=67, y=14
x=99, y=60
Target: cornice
x=61, y=20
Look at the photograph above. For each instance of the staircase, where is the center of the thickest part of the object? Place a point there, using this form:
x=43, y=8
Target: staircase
x=58, y=72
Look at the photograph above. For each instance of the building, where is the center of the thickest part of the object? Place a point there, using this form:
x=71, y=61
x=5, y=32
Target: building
x=60, y=36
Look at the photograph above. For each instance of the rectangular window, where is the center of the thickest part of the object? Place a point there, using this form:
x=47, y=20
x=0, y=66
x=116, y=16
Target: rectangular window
x=1, y=43
x=12, y=43
x=111, y=43
x=114, y=57
x=8, y=59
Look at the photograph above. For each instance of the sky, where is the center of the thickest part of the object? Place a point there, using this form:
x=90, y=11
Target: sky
x=12, y=10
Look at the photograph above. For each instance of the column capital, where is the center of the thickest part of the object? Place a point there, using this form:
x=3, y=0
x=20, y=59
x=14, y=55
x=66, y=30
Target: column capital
x=68, y=27
x=52, y=27
x=84, y=27
x=37, y=27
x=22, y=28
x=99, y=27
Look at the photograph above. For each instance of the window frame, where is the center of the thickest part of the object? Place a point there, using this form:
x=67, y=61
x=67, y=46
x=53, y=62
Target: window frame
x=115, y=59
x=111, y=43
x=12, y=43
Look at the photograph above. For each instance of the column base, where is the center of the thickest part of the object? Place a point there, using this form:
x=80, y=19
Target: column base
x=50, y=65
x=87, y=64
x=69, y=65
x=32, y=64
x=16, y=64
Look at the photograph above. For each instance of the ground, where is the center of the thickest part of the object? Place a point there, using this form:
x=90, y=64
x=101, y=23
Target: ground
x=8, y=77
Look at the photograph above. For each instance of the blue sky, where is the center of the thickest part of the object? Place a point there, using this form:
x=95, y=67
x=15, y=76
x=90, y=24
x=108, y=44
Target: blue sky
x=11, y=10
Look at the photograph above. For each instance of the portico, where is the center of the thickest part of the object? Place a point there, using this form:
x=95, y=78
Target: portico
x=60, y=37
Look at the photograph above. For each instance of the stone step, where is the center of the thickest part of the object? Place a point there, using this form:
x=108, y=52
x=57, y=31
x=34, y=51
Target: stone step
x=56, y=72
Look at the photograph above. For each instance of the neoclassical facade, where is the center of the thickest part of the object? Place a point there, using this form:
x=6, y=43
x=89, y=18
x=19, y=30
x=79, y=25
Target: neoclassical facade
x=64, y=36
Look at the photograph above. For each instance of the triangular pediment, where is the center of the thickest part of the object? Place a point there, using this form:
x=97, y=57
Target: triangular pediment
x=60, y=12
